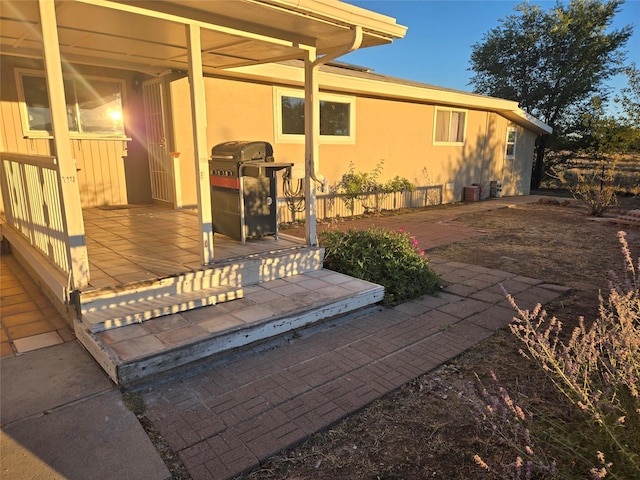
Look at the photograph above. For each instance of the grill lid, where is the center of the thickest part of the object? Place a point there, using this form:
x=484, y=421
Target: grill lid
x=243, y=151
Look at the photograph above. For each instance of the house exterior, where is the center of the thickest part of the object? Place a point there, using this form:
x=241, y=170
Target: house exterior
x=433, y=136
x=84, y=102
x=114, y=103
x=400, y=123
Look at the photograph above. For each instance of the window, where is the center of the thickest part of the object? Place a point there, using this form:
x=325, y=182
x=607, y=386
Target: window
x=450, y=126
x=337, y=117
x=94, y=106
x=510, y=149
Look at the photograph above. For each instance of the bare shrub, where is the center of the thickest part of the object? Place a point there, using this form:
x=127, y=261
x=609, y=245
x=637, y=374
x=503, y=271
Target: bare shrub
x=596, y=188
x=510, y=427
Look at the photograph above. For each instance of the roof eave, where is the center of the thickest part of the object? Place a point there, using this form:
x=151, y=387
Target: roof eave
x=521, y=117
x=374, y=23
x=294, y=76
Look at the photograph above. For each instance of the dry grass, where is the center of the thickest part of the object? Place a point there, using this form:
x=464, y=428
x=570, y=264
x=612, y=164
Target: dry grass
x=431, y=428
x=627, y=168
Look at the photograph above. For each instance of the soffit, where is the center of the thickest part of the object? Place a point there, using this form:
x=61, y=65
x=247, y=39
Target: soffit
x=150, y=36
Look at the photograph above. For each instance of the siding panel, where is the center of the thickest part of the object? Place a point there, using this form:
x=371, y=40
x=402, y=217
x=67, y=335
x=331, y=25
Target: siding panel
x=101, y=175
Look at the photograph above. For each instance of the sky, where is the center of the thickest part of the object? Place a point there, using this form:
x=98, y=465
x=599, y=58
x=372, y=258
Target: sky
x=437, y=47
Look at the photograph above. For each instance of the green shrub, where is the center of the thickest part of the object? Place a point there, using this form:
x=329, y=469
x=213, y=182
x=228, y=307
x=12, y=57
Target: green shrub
x=389, y=258
x=367, y=190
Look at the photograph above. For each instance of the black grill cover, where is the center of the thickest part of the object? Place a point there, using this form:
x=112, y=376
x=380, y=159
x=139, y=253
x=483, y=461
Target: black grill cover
x=243, y=151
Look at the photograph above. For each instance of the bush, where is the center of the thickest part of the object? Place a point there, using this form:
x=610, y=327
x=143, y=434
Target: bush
x=367, y=189
x=597, y=369
x=509, y=426
x=597, y=188
x=388, y=258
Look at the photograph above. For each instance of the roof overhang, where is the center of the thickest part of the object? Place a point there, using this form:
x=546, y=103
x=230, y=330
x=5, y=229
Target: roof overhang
x=149, y=36
x=521, y=117
x=392, y=88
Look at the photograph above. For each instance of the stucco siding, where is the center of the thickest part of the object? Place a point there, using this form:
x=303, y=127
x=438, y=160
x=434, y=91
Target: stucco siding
x=522, y=164
x=397, y=133
x=400, y=134
x=235, y=111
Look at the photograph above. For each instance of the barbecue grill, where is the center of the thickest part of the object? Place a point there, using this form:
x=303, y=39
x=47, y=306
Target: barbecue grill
x=243, y=179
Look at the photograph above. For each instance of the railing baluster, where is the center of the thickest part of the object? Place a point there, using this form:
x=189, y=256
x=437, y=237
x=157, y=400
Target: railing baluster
x=33, y=205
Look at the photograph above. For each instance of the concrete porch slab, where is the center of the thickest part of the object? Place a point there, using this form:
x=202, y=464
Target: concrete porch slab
x=62, y=418
x=137, y=353
x=99, y=430
x=64, y=372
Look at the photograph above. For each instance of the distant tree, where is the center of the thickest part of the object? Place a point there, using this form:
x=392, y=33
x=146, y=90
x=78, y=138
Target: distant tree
x=552, y=63
x=629, y=101
x=596, y=132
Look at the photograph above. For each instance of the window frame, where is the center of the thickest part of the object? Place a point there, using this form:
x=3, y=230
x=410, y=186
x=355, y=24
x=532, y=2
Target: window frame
x=298, y=138
x=435, y=126
x=24, y=113
x=507, y=143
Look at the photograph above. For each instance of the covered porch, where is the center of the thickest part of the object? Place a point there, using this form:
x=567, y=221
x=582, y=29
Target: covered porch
x=148, y=282
x=139, y=243
x=115, y=266
x=152, y=308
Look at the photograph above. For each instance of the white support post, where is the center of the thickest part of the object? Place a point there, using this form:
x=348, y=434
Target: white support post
x=312, y=175
x=70, y=190
x=199, y=117
x=311, y=138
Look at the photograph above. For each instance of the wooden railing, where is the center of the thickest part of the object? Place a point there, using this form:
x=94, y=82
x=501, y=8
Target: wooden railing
x=332, y=205
x=31, y=191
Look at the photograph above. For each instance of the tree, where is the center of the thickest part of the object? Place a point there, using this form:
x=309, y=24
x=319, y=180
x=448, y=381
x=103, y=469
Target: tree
x=552, y=62
x=629, y=100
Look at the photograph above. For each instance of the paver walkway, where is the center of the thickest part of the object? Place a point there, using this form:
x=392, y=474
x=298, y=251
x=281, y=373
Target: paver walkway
x=226, y=419
x=230, y=417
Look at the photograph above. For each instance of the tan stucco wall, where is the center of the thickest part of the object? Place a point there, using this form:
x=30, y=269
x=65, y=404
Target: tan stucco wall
x=400, y=133
x=521, y=169
x=235, y=111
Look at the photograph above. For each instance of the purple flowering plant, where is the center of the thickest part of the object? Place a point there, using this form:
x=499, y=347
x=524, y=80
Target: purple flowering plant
x=597, y=368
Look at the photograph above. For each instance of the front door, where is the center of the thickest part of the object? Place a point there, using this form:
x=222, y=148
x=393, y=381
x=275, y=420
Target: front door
x=160, y=159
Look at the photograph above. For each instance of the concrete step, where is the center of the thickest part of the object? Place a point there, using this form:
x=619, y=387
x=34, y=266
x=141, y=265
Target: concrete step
x=139, y=353
x=122, y=312
x=107, y=308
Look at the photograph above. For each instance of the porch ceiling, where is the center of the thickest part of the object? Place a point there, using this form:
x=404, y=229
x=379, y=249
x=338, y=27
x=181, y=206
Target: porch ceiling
x=149, y=36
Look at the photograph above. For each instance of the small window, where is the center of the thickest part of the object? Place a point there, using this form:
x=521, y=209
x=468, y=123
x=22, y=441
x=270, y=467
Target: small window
x=337, y=117
x=510, y=149
x=94, y=106
x=334, y=118
x=450, y=126
x=292, y=115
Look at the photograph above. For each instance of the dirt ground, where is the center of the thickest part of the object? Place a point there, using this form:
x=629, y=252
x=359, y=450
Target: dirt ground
x=432, y=427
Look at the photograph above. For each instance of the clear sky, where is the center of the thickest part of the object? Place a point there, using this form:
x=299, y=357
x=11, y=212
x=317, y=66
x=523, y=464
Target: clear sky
x=437, y=46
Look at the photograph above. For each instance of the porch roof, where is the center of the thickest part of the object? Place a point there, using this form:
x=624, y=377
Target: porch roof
x=149, y=36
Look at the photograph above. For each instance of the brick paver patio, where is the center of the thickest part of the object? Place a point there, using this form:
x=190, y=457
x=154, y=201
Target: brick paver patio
x=230, y=417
